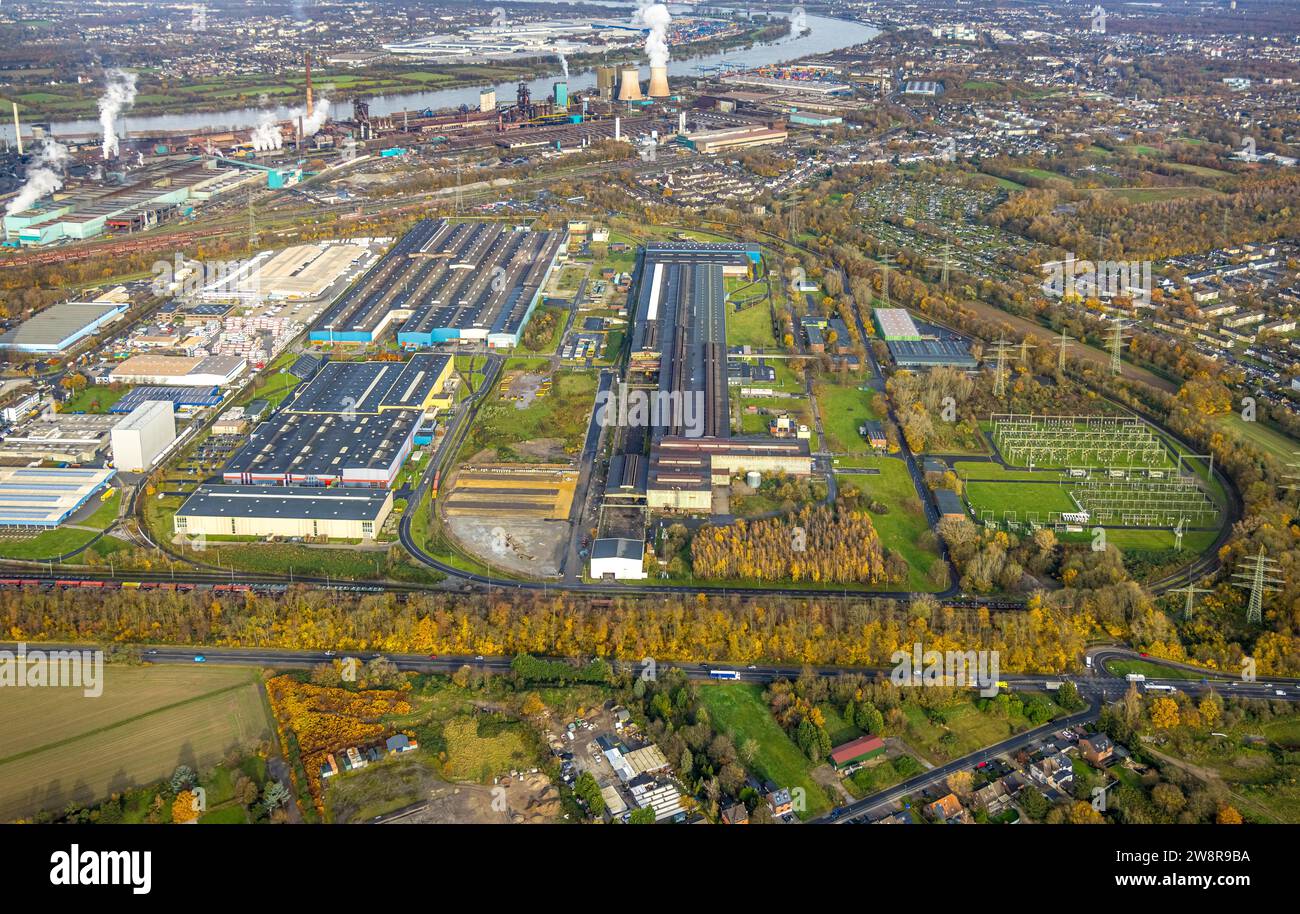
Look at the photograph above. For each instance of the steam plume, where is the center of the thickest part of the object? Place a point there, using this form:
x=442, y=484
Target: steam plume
x=119, y=94
x=564, y=65
x=44, y=176
x=656, y=18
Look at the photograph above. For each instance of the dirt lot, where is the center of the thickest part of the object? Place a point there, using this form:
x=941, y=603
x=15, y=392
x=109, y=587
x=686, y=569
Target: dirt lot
x=531, y=547
x=528, y=799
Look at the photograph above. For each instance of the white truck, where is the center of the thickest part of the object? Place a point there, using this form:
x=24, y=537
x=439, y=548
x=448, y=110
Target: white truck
x=1135, y=677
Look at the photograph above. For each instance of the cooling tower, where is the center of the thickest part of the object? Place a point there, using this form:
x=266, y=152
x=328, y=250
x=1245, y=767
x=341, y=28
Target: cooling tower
x=629, y=89
x=561, y=95
x=659, y=83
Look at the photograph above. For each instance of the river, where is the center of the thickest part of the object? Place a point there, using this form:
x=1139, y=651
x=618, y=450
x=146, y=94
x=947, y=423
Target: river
x=826, y=35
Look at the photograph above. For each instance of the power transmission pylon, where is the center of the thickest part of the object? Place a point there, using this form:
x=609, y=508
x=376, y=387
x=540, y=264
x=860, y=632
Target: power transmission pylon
x=1000, y=373
x=1292, y=479
x=1260, y=577
x=1062, y=343
x=1191, y=590
x=944, y=263
x=1025, y=346
x=1117, y=347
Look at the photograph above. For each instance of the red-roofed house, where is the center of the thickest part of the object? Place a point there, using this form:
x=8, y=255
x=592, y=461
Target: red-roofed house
x=857, y=751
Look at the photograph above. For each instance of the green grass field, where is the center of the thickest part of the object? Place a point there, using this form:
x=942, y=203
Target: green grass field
x=751, y=327
x=1149, y=669
x=900, y=528
x=737, y=709
x=996, y=472
x=1159, y=194
x=843, y=409
x=93, y=399
x=62, y=540
x=1285, y=450
x=61, y=747
x=1022, y=498
x=564, y=414
x=962, y=730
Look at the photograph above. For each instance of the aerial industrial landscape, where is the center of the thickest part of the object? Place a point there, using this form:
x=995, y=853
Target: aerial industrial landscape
x=617, y=413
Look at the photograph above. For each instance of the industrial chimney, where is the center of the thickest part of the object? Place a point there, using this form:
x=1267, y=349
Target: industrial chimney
x=309, y=83
x=18, y=130
x=659, y=83
x=629, y=89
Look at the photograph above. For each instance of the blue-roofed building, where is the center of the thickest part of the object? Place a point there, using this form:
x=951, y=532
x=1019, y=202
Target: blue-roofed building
x=47, y=496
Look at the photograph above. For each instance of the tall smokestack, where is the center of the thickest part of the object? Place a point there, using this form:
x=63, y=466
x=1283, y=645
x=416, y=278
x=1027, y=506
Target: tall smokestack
x=681, y=122
x=618, y=129
x=659, y=83
x=18, y=129
x=309, y=83
x=629, y=89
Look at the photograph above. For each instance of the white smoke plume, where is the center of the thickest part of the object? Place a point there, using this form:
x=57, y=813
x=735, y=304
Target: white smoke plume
x=656, y=18
x=320, y=113
x=564, y=65
x=119, y=94
x=44, y=176
x=266, y=136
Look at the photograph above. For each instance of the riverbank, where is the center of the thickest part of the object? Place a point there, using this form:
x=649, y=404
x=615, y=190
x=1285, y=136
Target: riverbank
x=825, y=36
x=161, y=96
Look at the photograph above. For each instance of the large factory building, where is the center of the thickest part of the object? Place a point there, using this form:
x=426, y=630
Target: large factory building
x=679, y=353
x=447, y=283
x=353, y=424
x=308, y=511
x=60, y=327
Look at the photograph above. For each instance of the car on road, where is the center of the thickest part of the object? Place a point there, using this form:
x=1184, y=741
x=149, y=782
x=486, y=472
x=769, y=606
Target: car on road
x=153, y=650
x=329, y=653
x=199, y=658
x=433, y=656
x=479, y=657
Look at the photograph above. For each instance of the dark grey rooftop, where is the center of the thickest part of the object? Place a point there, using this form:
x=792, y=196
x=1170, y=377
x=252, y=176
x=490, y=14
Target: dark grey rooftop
x=306, y=502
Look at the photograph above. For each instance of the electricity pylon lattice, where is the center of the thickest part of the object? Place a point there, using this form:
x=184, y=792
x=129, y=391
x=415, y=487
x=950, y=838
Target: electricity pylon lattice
x=1002, y=346
x=1260, y=576
x=1191, y=590
x=1117, y=347
x=1292, y=479
x=1062, y=343
x=945, y=263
